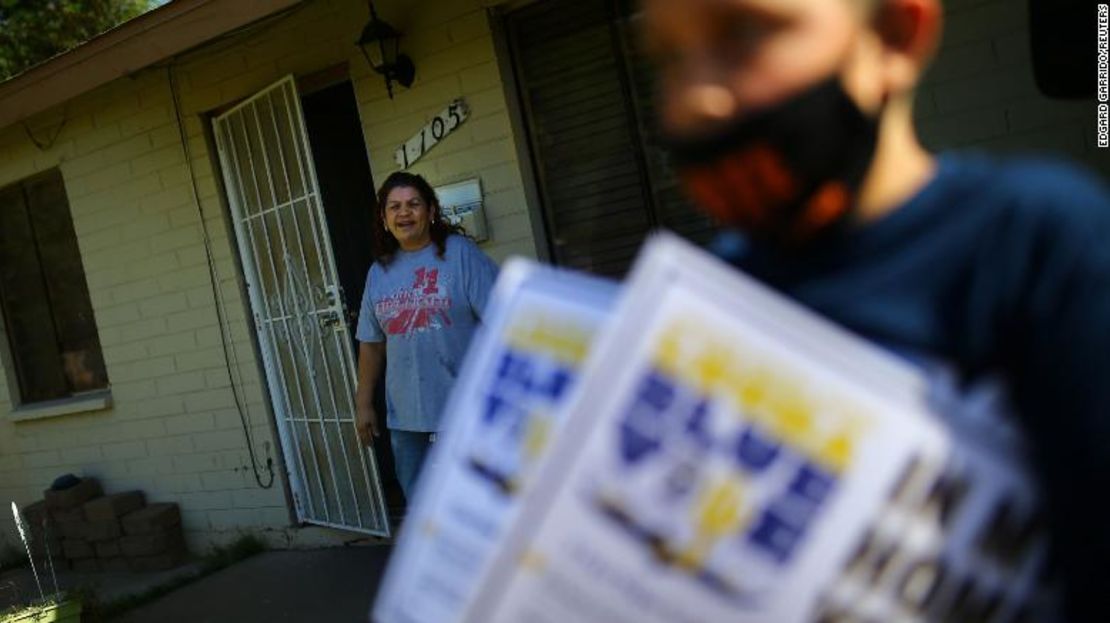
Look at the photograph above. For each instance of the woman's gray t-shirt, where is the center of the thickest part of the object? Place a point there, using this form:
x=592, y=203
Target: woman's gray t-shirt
x=425, y=309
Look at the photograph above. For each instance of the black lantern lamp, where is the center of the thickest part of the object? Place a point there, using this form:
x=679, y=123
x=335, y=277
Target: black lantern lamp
x=380, y=43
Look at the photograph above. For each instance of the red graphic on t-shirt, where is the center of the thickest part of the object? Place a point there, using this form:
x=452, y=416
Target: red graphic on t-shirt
x=419, y=308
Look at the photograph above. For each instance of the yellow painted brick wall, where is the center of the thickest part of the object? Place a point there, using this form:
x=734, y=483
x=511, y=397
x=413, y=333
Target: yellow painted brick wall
x=174, y=430
x=453, y=49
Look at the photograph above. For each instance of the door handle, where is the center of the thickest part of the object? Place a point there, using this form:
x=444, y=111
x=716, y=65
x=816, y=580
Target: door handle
x=330, y=319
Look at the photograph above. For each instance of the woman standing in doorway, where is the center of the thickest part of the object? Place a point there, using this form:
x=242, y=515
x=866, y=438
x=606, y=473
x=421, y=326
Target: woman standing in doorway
x=423, y=299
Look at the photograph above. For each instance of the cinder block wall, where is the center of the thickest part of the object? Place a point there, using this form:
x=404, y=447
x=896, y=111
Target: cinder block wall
x=174, y=430
x=981, y=95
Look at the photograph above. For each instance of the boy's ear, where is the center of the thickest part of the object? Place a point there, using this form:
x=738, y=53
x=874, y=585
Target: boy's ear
x=910, y=31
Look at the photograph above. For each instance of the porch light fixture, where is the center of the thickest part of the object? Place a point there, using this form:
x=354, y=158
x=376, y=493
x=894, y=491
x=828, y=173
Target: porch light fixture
x=380, y=43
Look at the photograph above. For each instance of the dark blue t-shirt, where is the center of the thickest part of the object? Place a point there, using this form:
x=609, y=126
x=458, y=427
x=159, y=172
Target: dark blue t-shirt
x=997, y=268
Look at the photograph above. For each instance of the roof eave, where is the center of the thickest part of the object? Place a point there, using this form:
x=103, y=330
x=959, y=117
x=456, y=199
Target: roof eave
x=155, y=36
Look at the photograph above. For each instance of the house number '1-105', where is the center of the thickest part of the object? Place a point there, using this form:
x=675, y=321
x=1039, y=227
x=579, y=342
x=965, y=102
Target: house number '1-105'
x=440, y=126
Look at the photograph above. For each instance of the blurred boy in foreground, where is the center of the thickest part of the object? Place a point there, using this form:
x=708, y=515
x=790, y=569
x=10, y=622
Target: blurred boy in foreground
x=791, y=121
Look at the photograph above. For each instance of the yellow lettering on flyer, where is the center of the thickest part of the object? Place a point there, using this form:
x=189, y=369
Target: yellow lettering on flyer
x=667, y=351
x=560, y=340
x=840, y=444
x=535, y=439
x=752, y=391
x=838, y=450
x=795, y=417
x=711, y=369
x=720, y=509
x=761, y=390
x=719, y=512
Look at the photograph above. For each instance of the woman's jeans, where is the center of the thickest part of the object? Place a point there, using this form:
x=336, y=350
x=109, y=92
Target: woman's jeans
x=409, y=451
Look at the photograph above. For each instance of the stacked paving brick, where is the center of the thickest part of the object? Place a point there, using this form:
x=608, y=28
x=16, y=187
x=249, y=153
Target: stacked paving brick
x=152, y=538
x=85, y=530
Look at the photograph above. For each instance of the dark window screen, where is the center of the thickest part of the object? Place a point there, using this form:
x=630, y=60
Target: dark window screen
x=45, y=300
x=587, y=98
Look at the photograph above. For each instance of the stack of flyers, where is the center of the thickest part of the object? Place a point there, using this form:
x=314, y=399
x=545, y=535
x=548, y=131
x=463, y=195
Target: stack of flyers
x=537, y=330
x=729, y=456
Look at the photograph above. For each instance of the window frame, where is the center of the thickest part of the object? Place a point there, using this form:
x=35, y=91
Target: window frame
x=92, y=399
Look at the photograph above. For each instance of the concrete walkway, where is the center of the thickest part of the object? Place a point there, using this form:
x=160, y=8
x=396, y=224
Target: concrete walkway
x=335, y=585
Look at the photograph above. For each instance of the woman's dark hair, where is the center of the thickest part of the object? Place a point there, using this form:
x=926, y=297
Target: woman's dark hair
x=440, y=228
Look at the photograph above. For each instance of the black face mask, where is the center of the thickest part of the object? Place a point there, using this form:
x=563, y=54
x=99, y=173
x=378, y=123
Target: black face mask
x=784, y=174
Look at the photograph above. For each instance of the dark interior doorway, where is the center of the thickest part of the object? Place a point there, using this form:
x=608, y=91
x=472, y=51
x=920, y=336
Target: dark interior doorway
x=347, y=189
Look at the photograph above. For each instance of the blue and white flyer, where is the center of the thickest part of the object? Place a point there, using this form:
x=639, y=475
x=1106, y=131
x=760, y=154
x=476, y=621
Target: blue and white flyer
x=731, y=457
x=538, y=327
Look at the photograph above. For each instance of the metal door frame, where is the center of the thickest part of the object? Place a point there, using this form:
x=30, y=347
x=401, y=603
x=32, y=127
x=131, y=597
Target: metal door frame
x=281, y=397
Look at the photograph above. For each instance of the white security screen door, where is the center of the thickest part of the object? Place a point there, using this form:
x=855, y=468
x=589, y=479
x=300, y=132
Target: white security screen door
x=294, y=294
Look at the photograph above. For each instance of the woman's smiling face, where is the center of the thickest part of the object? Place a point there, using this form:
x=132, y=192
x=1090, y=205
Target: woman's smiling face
x=408, y=218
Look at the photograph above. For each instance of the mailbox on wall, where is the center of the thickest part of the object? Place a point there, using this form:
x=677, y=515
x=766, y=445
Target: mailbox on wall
x=461, y=204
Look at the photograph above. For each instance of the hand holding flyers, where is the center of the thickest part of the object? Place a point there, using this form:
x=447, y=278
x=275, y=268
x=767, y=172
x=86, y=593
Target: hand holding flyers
x=724, y=456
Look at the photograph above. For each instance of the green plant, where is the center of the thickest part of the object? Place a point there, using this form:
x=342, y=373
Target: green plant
x=60, y=607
